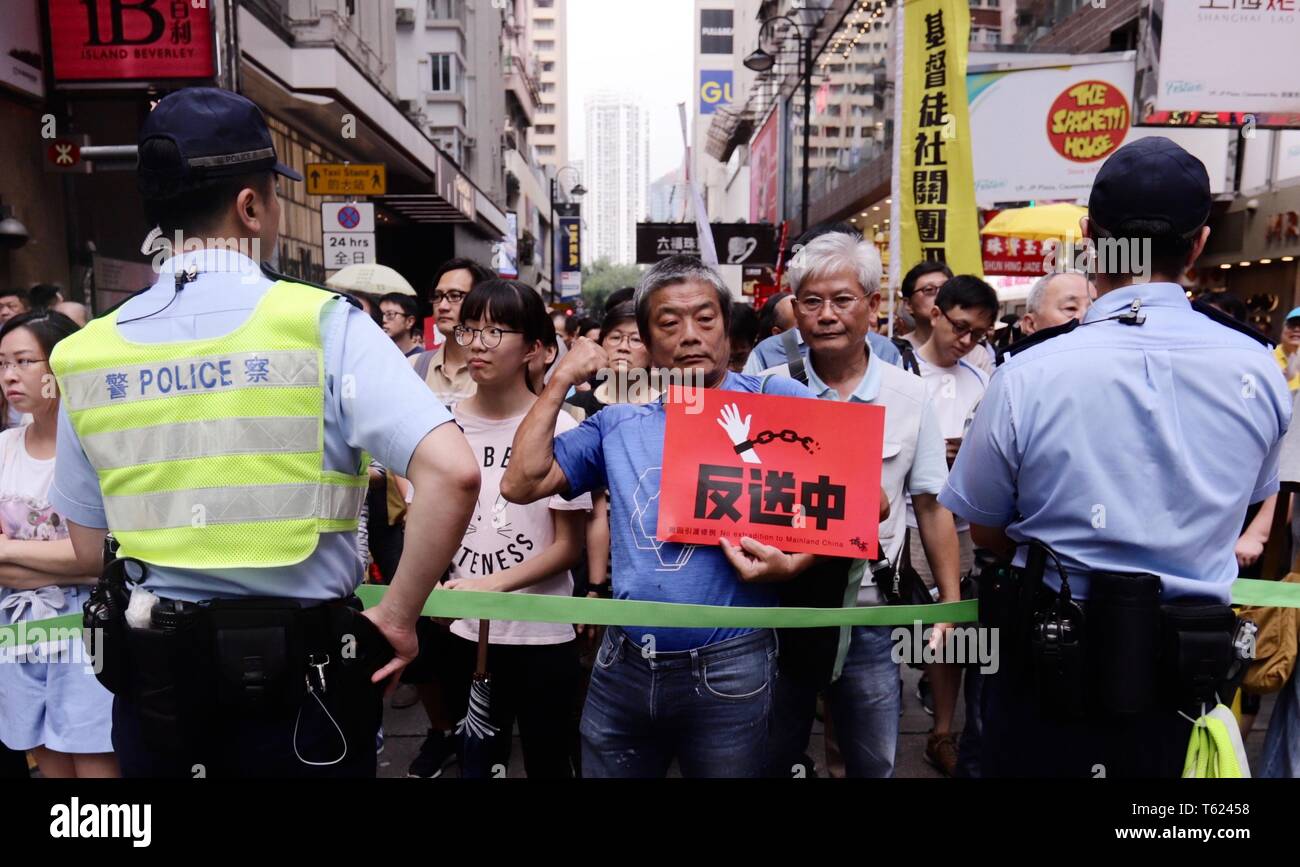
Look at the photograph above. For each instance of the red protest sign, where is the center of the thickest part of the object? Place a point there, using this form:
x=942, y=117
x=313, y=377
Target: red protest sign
x=116, y=40
x=794, y=473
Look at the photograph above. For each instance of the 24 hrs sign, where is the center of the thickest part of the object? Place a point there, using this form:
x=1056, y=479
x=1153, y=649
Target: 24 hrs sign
x=125, y=40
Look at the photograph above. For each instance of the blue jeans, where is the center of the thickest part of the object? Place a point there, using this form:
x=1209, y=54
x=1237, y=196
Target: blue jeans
x=1281, y=756
x=708, y=708
x=864, y=703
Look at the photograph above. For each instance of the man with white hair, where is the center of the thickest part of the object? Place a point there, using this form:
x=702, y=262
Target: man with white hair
x=1055, y=299
x=836, y=281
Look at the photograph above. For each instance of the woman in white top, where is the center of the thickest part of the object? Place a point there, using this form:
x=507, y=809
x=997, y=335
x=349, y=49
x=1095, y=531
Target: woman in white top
x=50, y=701
x=514, y=548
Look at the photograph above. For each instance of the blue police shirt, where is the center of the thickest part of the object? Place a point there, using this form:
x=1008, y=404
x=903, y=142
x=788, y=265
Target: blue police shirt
x=386, y=410
x=622, y=448
x=770, y=352
x=1129, y=448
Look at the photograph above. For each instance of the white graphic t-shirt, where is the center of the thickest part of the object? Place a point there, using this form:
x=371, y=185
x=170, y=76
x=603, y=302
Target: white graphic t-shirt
x=955, y=393
x=502, y=535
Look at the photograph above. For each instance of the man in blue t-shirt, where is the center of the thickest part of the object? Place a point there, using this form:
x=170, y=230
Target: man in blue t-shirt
x=701, y=696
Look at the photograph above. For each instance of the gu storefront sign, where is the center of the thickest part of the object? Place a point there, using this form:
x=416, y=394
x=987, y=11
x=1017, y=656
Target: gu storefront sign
x=131, y=40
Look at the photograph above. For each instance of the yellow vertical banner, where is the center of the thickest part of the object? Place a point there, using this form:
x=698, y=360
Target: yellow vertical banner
x=934, y=188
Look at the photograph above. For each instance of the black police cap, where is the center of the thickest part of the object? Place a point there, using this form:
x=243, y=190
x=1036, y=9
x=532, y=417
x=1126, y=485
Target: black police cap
x=1155, y=181
x=217, y=134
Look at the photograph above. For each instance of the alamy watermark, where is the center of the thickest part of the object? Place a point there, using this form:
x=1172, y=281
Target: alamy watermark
x=231, y=255
x=963, y=645
x=25, y=642
x=1099, y=256
x=638, y=385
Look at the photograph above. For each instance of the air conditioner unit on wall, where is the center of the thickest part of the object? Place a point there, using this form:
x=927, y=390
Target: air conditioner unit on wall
x=405, y=16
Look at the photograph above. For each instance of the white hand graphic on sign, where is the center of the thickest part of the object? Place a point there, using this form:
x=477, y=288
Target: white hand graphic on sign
x=738, y=430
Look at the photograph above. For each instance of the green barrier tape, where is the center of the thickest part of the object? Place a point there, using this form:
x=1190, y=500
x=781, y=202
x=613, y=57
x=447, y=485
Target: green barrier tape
x=625, y=612
x=1266, y=594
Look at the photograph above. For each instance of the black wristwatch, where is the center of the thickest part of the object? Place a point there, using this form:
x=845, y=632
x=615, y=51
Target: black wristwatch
x=602, y=589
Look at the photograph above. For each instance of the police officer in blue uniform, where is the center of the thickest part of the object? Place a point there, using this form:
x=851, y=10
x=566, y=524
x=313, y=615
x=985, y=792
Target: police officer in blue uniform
x=1111, y=463
x=232, y=669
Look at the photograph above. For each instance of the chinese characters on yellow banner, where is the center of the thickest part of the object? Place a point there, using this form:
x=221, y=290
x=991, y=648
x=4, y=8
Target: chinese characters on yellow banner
x=934, y=187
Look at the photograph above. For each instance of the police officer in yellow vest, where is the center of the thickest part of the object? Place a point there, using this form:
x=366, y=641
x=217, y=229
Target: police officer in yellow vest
x=217, y=424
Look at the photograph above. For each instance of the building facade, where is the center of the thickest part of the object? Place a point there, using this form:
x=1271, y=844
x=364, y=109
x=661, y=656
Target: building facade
x=616, y=174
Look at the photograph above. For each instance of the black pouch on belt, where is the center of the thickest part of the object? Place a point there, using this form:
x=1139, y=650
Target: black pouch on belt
x=259, y=654
x=103, y=622
x=1197, y=652
x=1123, y=612
x=358, y=650
x=996, y=591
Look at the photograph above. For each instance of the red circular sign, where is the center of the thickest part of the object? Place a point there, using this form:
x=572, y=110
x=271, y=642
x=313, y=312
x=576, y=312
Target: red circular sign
x=349, y=217
x=1088, y=121
x=63, y=153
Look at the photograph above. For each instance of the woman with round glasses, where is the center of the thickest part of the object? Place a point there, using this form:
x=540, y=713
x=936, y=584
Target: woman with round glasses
x=512, y=548
x=627, y=380
x=50, y=701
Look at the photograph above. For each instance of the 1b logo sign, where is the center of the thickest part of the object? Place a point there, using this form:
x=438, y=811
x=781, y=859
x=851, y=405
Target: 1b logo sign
x=104, y=40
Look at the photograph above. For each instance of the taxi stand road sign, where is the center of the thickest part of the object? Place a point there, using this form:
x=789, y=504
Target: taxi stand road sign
x=342, y=179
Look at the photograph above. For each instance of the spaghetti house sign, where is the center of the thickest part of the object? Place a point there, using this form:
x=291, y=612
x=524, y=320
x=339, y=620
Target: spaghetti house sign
x=131, y=40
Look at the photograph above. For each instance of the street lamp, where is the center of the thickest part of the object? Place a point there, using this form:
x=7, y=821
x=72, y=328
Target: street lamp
x=761, y=61
x=577, y=190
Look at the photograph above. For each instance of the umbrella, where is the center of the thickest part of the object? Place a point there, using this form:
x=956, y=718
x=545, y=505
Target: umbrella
x=373, y=279
x=479, y=745
x=1042, y=223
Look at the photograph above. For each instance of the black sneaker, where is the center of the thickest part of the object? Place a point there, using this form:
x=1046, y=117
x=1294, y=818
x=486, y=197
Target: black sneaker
x=436, y=753
x=926, y=694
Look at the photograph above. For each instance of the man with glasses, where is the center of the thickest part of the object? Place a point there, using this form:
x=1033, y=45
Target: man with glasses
x=401, y=317
x=446, y=369
x=788, y=345
x=920, y=287
x=1285, y=352
x=836, y=280
x=961, y=316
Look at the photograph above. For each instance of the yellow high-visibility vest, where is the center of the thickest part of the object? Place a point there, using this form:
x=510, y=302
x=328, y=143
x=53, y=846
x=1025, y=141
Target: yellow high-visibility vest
x=210, y=453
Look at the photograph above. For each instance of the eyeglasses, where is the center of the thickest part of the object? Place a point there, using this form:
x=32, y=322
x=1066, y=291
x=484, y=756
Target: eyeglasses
x=23, y=364
x=451, y=296
x=961, y=329
x=633, y=340
x=812, y=305
x=928, y=290
x=391, y=315
x=491, y=336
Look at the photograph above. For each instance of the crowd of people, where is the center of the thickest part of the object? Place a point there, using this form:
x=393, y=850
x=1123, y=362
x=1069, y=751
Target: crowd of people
x=568, y=458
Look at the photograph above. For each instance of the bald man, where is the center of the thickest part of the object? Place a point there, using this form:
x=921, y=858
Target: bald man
x=1055, y=299
x=73, y=310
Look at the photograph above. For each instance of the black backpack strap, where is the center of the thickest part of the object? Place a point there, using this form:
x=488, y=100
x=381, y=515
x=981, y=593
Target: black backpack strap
x=908, y=352
x=793, y=358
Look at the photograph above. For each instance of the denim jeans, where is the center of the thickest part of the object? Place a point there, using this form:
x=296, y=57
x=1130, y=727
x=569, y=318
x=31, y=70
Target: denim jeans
x=864, y=702
x=708, y=708
x=1281, y=756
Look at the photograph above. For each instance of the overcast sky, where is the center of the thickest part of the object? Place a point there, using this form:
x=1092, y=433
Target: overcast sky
x=643, y=48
